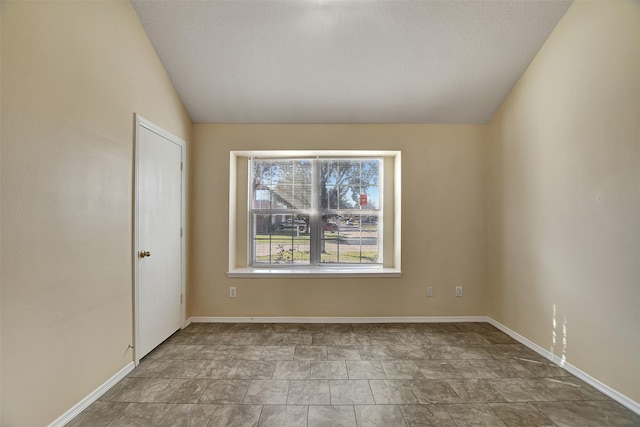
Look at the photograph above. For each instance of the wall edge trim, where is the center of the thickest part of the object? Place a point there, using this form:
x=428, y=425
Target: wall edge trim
x=302, y=319
x=593, y=382
x=92, y=397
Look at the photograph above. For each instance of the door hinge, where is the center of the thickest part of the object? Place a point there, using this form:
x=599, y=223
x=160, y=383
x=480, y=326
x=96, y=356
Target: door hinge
x=181, y=232
x=181, y=298
x=181, y=166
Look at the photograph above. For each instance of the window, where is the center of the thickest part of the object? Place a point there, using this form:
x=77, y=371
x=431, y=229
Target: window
x=316, y=211
x=322, y=213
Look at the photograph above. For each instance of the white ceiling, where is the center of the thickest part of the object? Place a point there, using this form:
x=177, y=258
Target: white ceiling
x=346, y=61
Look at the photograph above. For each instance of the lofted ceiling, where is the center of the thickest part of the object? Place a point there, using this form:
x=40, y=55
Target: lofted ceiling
x=346, y=61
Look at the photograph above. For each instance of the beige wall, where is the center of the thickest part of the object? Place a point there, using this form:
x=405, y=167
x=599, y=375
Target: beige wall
x=443, y=224
x=555, y=190
x=563, y=199
x=73, y=74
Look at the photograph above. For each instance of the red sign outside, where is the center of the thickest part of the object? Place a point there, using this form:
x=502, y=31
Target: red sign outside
x=363, y=200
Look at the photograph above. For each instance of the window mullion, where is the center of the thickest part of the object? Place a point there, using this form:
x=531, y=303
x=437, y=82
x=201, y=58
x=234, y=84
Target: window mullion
x=315, y=217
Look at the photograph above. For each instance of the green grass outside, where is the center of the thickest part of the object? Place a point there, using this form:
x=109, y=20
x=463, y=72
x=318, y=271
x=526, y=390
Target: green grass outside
x=277, y=238
x=345, y=257
x=285, y=256
x=351, y=257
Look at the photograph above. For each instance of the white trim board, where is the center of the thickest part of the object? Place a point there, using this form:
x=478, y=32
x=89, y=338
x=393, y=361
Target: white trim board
x=236, y=270
x=598, y=385
x=92, y=397
x=415, y=319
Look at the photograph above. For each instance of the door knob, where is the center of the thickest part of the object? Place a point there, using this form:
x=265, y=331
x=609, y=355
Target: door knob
x=144, y=254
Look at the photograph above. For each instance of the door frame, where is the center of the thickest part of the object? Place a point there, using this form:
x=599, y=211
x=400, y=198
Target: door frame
x=141, y=122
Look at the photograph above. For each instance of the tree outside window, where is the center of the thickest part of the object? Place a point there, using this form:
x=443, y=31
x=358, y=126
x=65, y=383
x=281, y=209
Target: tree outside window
x=316, y=211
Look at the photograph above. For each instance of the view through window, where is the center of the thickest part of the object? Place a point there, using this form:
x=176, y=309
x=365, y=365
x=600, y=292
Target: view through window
x=316, y=211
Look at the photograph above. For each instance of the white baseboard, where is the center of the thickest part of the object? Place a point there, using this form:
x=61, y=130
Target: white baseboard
x=598, y=385
x=92, y=397
x=415, y=319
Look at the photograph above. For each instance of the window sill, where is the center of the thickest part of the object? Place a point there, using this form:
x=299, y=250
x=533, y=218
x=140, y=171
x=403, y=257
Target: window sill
x=311, y=272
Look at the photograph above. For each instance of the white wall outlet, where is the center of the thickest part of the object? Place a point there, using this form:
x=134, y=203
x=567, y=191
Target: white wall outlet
x=458, y=291
x=430, y=291
x=232, y=292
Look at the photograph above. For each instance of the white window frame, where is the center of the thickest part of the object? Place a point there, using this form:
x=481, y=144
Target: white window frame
x=391, y=267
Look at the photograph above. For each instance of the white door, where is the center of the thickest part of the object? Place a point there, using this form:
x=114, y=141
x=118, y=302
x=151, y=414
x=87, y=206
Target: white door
x=159, y=249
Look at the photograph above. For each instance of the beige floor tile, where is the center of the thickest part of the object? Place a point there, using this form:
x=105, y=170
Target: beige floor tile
x=267, y=392
x=98, y=414
x=434, y=391
x=442, y=374
x=375, y=352
x=350, y=392
x=379, y=416
x=440, y=352
x=255, y=370
x=325, y=370
x=225, y=392
x=181, y=352
x=150, y=368
x=354, y=338
x=311, y=327
x=278, y=352
x=332, y=416
x=343, y=352
x=140, y=415
x=234, y=338
x=427, y=416
x=395, y=392
x=180, y=390
x=187, y=369
x=517, y=389
x=245, y=352
x=309, y=392
x=190, y=415
x=474, y=414
x=365, y=370
x=475, y=390
x=292, y=370
x=338, y=328
x=139, y=389
x=475, y=368
x=218, y=369
x=520, y=415
x=589, y=414
x=310, y=352
x=213, y=352
x=438, y=369
x=236, y=416
x=331, y=338
x=268, y=338
x=297, y=338
x=283, y=415
x=401, y=370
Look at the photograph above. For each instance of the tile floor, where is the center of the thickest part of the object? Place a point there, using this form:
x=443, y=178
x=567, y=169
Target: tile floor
x=445, y=374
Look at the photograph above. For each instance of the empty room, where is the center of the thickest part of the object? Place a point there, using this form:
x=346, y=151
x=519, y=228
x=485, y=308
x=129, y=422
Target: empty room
x=320, y=213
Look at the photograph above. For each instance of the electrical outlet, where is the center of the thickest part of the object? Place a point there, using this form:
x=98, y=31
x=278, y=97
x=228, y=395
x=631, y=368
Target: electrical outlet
x=232, y=292
x=458, y=291
x=430, y=291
